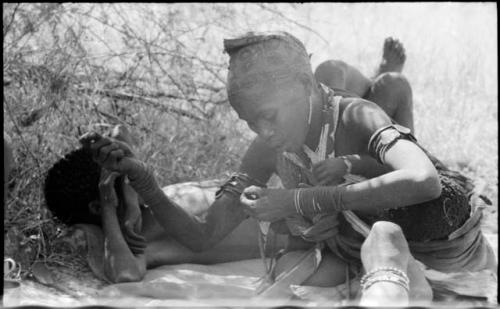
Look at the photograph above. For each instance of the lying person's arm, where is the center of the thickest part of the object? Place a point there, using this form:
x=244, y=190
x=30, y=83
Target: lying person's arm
x=225, y=214
x=120, y=263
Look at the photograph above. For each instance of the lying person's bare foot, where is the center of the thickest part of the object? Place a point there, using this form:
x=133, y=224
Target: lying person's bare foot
x=393, y=57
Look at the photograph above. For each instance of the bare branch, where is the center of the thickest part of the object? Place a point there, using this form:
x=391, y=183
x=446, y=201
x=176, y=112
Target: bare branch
x=264, y=7
x=13, y=15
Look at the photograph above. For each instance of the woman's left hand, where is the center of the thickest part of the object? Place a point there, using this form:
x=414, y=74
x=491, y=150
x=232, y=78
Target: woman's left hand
x=268, y=204
x=330, y=171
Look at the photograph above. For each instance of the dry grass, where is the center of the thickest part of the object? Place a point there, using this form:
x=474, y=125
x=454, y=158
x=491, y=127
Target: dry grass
x=153, y=50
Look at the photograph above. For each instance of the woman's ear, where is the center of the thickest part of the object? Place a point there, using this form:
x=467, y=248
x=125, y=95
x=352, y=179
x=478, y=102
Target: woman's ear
x=95, y=208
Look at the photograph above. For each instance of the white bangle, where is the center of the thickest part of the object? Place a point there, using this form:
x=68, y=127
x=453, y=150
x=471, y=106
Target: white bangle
x=348, y=164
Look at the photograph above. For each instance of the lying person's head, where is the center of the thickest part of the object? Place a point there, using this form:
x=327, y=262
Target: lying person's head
x=72, y=188
x=270, y=85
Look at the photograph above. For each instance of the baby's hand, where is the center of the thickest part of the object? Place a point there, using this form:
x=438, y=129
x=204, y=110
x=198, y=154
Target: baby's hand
x=330, y=171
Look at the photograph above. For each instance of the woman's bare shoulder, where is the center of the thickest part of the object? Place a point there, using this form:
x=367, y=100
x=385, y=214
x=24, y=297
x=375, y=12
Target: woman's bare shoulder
x=361, y=118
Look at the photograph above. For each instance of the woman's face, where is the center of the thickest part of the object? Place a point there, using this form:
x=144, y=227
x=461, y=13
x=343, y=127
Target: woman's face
x=278, y=116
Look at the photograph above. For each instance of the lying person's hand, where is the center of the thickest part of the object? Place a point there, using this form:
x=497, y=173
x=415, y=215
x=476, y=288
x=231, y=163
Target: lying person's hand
x=268, y=204
x=109, y=153
x=107, y=193
x=330, y=171
x=131, y=219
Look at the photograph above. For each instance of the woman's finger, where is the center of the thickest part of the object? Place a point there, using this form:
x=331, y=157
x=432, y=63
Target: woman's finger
x=102, y=141
x=254, y=192
x=115, y=156
x=247, y=200
x=105, y=151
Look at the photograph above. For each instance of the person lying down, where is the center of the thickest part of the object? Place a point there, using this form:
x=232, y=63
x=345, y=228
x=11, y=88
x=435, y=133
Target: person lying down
x=82, y=194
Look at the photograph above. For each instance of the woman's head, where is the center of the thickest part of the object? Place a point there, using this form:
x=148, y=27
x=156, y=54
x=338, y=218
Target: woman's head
x=71, y=188
x=270, y=84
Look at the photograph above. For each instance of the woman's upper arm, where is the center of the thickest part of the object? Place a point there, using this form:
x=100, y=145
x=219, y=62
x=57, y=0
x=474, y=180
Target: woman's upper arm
x=392, y=145
x=259, y=161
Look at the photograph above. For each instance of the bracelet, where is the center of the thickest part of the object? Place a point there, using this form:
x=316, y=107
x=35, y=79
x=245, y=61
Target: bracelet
x=388, y=274
x=393, y=270
x=348, y=164
x=386, y=278
x=296, y=201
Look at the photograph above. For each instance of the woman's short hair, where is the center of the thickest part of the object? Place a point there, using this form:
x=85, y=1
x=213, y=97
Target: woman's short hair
x=71, y=184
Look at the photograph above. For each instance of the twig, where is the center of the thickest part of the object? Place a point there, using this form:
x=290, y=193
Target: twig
x=262, y=6
x=18, y=131
x=7, y=28
x=131, y=97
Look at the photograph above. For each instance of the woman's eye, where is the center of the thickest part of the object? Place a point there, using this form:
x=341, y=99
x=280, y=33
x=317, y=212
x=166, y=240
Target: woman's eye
x=269, y=116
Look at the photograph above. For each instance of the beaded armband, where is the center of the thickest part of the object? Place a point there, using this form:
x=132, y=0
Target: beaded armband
x=237, y=183
x=384, y=138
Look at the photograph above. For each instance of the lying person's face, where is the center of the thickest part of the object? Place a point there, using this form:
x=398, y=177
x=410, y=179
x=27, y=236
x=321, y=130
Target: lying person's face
x=278, y=115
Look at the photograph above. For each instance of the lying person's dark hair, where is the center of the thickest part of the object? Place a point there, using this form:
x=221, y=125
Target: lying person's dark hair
x=71, y=185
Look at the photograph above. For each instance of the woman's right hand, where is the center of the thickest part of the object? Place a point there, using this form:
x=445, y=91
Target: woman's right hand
x=109, y=153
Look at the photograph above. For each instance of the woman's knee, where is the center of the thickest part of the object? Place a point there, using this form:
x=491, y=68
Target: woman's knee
x=331, y=73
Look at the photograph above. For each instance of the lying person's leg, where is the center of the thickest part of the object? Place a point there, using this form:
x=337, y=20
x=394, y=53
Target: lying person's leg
x=339, y=75
x=392, y=274
x=389, y=88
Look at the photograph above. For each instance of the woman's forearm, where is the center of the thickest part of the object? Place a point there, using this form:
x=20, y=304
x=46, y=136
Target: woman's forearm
x=392, y=190
x=223, y=216
x=395, y=189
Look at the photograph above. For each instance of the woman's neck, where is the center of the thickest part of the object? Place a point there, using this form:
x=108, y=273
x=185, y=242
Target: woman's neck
x=314, y=132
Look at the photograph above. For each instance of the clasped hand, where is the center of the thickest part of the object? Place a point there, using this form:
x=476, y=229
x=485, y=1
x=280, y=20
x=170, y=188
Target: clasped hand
x=268, y=204
x=330, y=171
x=109, y=153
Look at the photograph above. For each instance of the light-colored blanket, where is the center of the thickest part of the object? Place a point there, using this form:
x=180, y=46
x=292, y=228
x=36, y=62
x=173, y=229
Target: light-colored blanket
x=226, y=284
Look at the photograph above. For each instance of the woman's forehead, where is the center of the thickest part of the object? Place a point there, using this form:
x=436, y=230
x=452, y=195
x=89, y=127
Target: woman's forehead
x=251, y=104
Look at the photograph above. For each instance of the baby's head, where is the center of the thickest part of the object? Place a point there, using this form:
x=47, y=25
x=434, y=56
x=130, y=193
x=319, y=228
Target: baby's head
x=72, y=188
